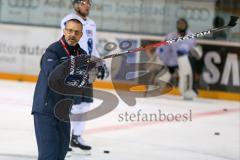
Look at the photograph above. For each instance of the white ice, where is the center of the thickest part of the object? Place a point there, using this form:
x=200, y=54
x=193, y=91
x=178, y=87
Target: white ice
x=191, y=140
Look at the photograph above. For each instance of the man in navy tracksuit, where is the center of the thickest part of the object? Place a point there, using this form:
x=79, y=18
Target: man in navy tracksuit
x=53, y=135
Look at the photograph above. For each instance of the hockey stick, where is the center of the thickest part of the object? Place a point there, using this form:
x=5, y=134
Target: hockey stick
x=90, y=63
x=232, y=23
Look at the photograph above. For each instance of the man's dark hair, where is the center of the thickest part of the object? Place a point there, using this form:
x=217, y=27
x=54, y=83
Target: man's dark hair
x=76, y=1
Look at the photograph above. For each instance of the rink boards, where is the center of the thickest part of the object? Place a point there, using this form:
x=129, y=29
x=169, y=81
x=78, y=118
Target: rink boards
x=21, y=48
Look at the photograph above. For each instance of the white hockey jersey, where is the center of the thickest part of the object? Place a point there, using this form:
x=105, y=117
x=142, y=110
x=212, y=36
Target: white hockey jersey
x=88, y=40
x=168, y=54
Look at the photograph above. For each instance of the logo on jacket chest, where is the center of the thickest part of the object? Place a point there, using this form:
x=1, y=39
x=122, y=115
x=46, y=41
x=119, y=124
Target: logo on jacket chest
x=89, y=33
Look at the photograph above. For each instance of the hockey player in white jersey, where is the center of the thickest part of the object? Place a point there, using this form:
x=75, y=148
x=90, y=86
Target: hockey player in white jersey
x=88, y=43
x=88, y=40
x=175, y=56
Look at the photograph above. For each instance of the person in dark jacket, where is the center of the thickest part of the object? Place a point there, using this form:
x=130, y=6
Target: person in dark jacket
x=53, y=135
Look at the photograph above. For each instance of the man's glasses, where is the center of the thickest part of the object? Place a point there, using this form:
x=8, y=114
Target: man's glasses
x=70, y=31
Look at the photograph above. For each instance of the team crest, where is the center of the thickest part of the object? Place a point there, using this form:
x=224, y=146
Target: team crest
x=89, y=33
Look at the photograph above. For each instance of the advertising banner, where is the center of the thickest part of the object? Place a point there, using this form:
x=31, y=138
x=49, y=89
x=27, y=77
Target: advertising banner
x=220, y=68
x=22, y=47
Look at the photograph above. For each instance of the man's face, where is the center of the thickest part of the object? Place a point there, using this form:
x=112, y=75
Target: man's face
x=83, y=7
x=181, y=26
x=72, y=32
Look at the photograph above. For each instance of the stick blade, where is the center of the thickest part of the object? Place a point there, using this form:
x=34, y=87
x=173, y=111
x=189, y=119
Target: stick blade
x=233, y=21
